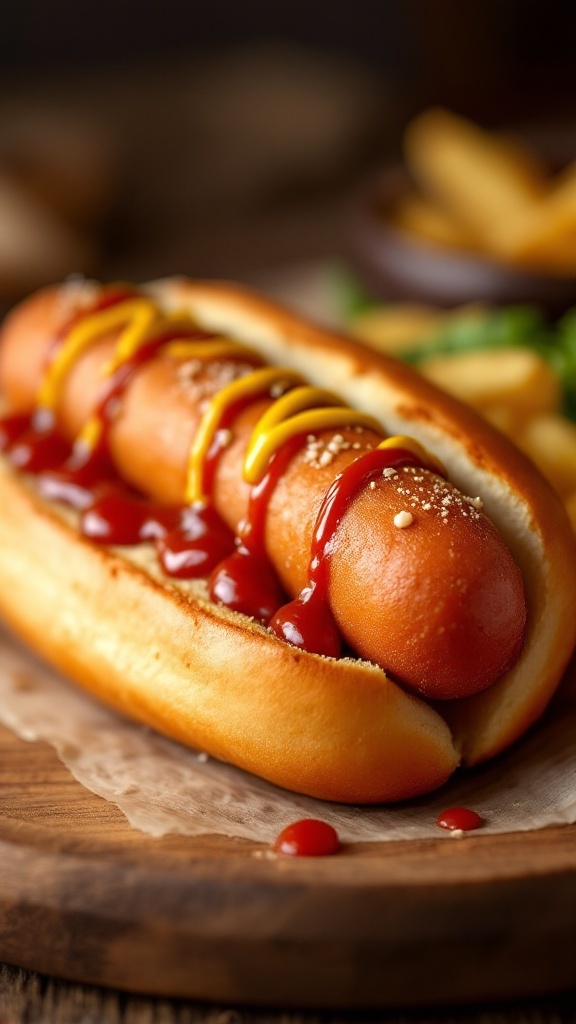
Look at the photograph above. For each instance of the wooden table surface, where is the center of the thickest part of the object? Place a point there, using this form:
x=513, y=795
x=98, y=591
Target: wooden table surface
x=30, y=998
x=68, y=859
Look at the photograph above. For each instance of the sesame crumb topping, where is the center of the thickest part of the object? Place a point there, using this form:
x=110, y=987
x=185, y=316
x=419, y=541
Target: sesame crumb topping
x=200, y=381
x=437, y=496
x=326, y=457
x=319, y=453
x=403, y=519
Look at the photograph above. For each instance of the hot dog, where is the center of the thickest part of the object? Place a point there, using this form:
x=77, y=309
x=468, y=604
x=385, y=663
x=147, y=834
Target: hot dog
x=372, y=627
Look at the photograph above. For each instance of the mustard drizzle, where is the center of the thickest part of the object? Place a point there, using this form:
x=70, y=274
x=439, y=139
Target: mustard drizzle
x=135, y=316
x=261, y=381
x=297, y=408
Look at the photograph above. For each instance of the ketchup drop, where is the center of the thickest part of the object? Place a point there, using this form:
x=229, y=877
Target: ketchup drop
x=307, y=838
x=118, y=518
x=197, y=543
x=459, y=819
x=36, y=450
x=308, y=623
x=246, y=583
x=11, y=428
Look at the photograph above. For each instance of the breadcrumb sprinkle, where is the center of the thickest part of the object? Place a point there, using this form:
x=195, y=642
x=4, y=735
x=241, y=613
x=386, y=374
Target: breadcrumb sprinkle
x=423, y=490
x=403, y=519
x=200, y=380
x=319, y=453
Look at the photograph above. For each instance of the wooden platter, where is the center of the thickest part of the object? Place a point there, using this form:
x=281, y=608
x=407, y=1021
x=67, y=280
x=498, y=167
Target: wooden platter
x=83, y=896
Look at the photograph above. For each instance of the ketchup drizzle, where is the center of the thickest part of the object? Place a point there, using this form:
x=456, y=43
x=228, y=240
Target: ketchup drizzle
x=192, y=540
x=11, y=428
x=307, y=621
x=246, y=581
x=32, y=450
x=117, y=517
x=80, y=479
x=195, y=545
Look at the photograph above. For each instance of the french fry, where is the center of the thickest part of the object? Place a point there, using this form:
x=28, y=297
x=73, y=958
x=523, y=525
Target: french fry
x=548, y=237
x=550, y=441
x=397, y=327
x=422, y=217
x=480, y=181
x=517, y=379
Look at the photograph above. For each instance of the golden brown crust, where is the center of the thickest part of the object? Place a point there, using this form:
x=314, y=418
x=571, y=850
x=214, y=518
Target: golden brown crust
x=337, y=730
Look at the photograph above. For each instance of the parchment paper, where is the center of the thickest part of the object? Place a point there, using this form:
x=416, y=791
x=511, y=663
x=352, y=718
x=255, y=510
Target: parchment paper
x=162, y=787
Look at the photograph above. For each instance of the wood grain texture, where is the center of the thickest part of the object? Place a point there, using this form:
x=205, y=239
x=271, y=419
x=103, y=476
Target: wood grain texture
x=29, y=998
x=85, y=897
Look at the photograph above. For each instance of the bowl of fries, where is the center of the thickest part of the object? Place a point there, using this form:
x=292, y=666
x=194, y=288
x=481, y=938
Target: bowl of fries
x=471, y=216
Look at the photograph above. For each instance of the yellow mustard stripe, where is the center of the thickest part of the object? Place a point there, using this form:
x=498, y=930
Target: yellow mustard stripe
x=263, y=445
x=298, y=409
x=135, y=316
x=423, y=456
x=91, y=432
x=89, y=435
x=130, y=341
x=218, y=348
x=259, y=382
x=296, y=400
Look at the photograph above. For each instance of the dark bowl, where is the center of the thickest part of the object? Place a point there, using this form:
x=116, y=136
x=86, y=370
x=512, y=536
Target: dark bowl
x=396, y=265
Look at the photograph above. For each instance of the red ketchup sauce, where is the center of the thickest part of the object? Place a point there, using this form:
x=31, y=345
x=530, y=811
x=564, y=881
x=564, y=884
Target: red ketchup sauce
x=192, y=540
x=33, y=442
x=307, y=621
x=307, y=838
x=189, y=540
x=459, y=819
x=30, y=449
x=245, y=581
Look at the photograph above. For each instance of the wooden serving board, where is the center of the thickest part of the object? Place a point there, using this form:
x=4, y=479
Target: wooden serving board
x=84, y=896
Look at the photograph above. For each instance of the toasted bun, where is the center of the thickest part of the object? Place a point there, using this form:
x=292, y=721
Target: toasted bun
x=334, y=729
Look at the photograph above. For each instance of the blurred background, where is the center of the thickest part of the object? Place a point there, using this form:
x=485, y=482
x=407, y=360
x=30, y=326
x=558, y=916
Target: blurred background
x=226, y=138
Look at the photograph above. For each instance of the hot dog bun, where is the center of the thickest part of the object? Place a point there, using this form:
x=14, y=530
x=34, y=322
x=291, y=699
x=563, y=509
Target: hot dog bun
x=336, y=729
x=441, y=607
